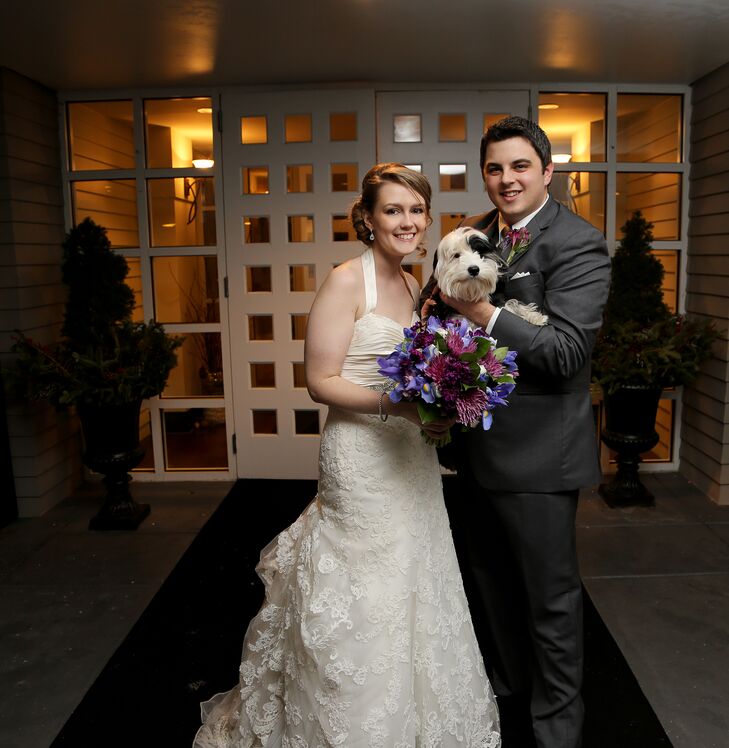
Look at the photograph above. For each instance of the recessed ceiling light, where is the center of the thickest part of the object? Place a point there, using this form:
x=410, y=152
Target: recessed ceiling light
x=205, y=110
x=548, y=106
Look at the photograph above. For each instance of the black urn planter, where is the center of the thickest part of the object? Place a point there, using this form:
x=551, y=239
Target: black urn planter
x=111, y=439
x=630, y=418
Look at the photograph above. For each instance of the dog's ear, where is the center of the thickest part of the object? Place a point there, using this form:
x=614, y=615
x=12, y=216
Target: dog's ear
x=480, y=244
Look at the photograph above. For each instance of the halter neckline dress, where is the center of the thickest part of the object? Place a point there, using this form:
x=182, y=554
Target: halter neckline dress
x=364, y=638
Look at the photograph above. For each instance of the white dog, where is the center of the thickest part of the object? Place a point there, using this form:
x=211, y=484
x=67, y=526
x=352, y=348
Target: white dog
x=467, y=268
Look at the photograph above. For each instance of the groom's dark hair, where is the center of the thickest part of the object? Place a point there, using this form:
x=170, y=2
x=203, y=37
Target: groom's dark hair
x=518, y=127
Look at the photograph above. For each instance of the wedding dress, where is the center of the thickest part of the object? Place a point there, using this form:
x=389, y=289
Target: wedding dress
x=365, y=637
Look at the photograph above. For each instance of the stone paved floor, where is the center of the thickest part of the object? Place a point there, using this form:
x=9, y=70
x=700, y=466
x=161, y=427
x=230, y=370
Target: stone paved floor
x=659, y=577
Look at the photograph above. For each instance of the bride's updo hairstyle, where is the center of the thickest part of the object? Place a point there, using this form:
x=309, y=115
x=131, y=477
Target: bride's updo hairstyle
x=378, y=175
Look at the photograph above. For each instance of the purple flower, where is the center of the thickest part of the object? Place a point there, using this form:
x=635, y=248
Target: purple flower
x=449, y=374
x=492, y=367
x=451, y=368
x=458, y=344
x=471, y=406
x=519, y=242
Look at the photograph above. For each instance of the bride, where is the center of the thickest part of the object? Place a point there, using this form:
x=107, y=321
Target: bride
x=364, y=637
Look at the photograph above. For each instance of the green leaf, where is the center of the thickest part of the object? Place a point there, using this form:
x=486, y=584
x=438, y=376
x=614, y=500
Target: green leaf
x=445, y=439
x=428, y=412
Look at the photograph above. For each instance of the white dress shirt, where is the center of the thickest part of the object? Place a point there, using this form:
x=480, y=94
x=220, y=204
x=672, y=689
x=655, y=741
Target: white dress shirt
x=518, y=225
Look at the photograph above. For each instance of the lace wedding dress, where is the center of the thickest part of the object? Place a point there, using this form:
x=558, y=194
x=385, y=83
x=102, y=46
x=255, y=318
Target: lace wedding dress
x=365, y=637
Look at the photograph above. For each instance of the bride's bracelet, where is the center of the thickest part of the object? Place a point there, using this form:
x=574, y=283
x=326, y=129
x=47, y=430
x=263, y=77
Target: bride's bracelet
x=383, y=416
x=385, y=389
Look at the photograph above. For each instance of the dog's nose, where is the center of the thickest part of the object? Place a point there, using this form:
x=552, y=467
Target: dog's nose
x=473, y=270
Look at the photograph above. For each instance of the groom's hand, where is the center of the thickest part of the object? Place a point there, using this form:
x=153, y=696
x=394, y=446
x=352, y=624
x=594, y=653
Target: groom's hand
x=479, y=312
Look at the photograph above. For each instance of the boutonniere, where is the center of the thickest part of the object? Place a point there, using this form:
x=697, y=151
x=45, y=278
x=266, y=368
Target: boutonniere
x=519, y=243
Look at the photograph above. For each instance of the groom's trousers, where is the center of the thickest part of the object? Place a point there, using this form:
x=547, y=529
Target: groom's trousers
x=519, y=563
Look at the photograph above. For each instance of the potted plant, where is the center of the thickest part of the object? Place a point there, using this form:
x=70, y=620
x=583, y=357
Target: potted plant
x=641, y=349
x=105, y=365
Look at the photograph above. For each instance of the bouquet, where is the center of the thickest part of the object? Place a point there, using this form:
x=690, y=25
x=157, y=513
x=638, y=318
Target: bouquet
x=450, y=369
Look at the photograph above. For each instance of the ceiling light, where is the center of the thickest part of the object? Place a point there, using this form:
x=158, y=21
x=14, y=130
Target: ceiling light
x=548, y=106
x=203, y=163
x=168, y=225
x=205, y=110
x=561, y=158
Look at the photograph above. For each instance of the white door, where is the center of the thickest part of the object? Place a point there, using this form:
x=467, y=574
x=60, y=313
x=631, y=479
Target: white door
x=440, y=132
x=292, y=165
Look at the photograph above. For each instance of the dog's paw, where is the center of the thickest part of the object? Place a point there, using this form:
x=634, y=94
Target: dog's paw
x=527, y=312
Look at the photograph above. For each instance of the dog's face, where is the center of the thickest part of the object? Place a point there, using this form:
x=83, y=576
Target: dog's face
x=466, y=267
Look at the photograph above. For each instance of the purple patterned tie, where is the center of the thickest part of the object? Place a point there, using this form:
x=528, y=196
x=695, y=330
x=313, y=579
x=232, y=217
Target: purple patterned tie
x=505, y=242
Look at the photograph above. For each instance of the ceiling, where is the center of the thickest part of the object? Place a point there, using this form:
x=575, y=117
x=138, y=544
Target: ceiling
x=76, y=45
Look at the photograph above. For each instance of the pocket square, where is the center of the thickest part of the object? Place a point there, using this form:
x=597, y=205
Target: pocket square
x=516, y=276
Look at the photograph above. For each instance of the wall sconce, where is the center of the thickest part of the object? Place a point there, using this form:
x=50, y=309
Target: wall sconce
x=193, y=185
x=561, y=150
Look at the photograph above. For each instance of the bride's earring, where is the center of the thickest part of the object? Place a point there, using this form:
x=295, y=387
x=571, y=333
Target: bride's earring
x=372, y=235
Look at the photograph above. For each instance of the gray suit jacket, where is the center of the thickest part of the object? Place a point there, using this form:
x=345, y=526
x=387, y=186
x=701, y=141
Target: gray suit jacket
x=544, y=440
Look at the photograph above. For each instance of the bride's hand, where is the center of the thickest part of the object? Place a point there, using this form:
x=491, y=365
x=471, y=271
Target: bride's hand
x=439, y=428
x=434, y=429
x=429, y=303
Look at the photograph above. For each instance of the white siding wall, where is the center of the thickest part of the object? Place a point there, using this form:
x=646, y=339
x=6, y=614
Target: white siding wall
x=705, y=431
x=45, y=444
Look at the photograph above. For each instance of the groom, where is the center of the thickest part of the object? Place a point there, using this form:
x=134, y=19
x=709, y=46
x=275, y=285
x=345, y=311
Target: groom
x=514, y=523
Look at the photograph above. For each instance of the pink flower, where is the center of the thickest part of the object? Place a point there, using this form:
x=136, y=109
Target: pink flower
x=519, y=242
x=457, y=345
x=471, y=406
x=492, y=367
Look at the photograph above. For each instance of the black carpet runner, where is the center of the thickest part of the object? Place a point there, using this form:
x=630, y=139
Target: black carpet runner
x=187, y=644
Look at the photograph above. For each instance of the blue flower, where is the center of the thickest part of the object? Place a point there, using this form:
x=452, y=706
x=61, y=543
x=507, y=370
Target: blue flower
x=427, y=392
x=509, y=361
x=435, y=366
x=498, y=394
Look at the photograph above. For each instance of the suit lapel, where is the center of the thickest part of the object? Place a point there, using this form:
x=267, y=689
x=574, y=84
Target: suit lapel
x=492, y=229
x=486, y=223
x=535, y=227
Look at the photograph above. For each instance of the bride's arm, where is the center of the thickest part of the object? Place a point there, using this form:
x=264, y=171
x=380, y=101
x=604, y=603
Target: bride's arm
x=328, y=335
